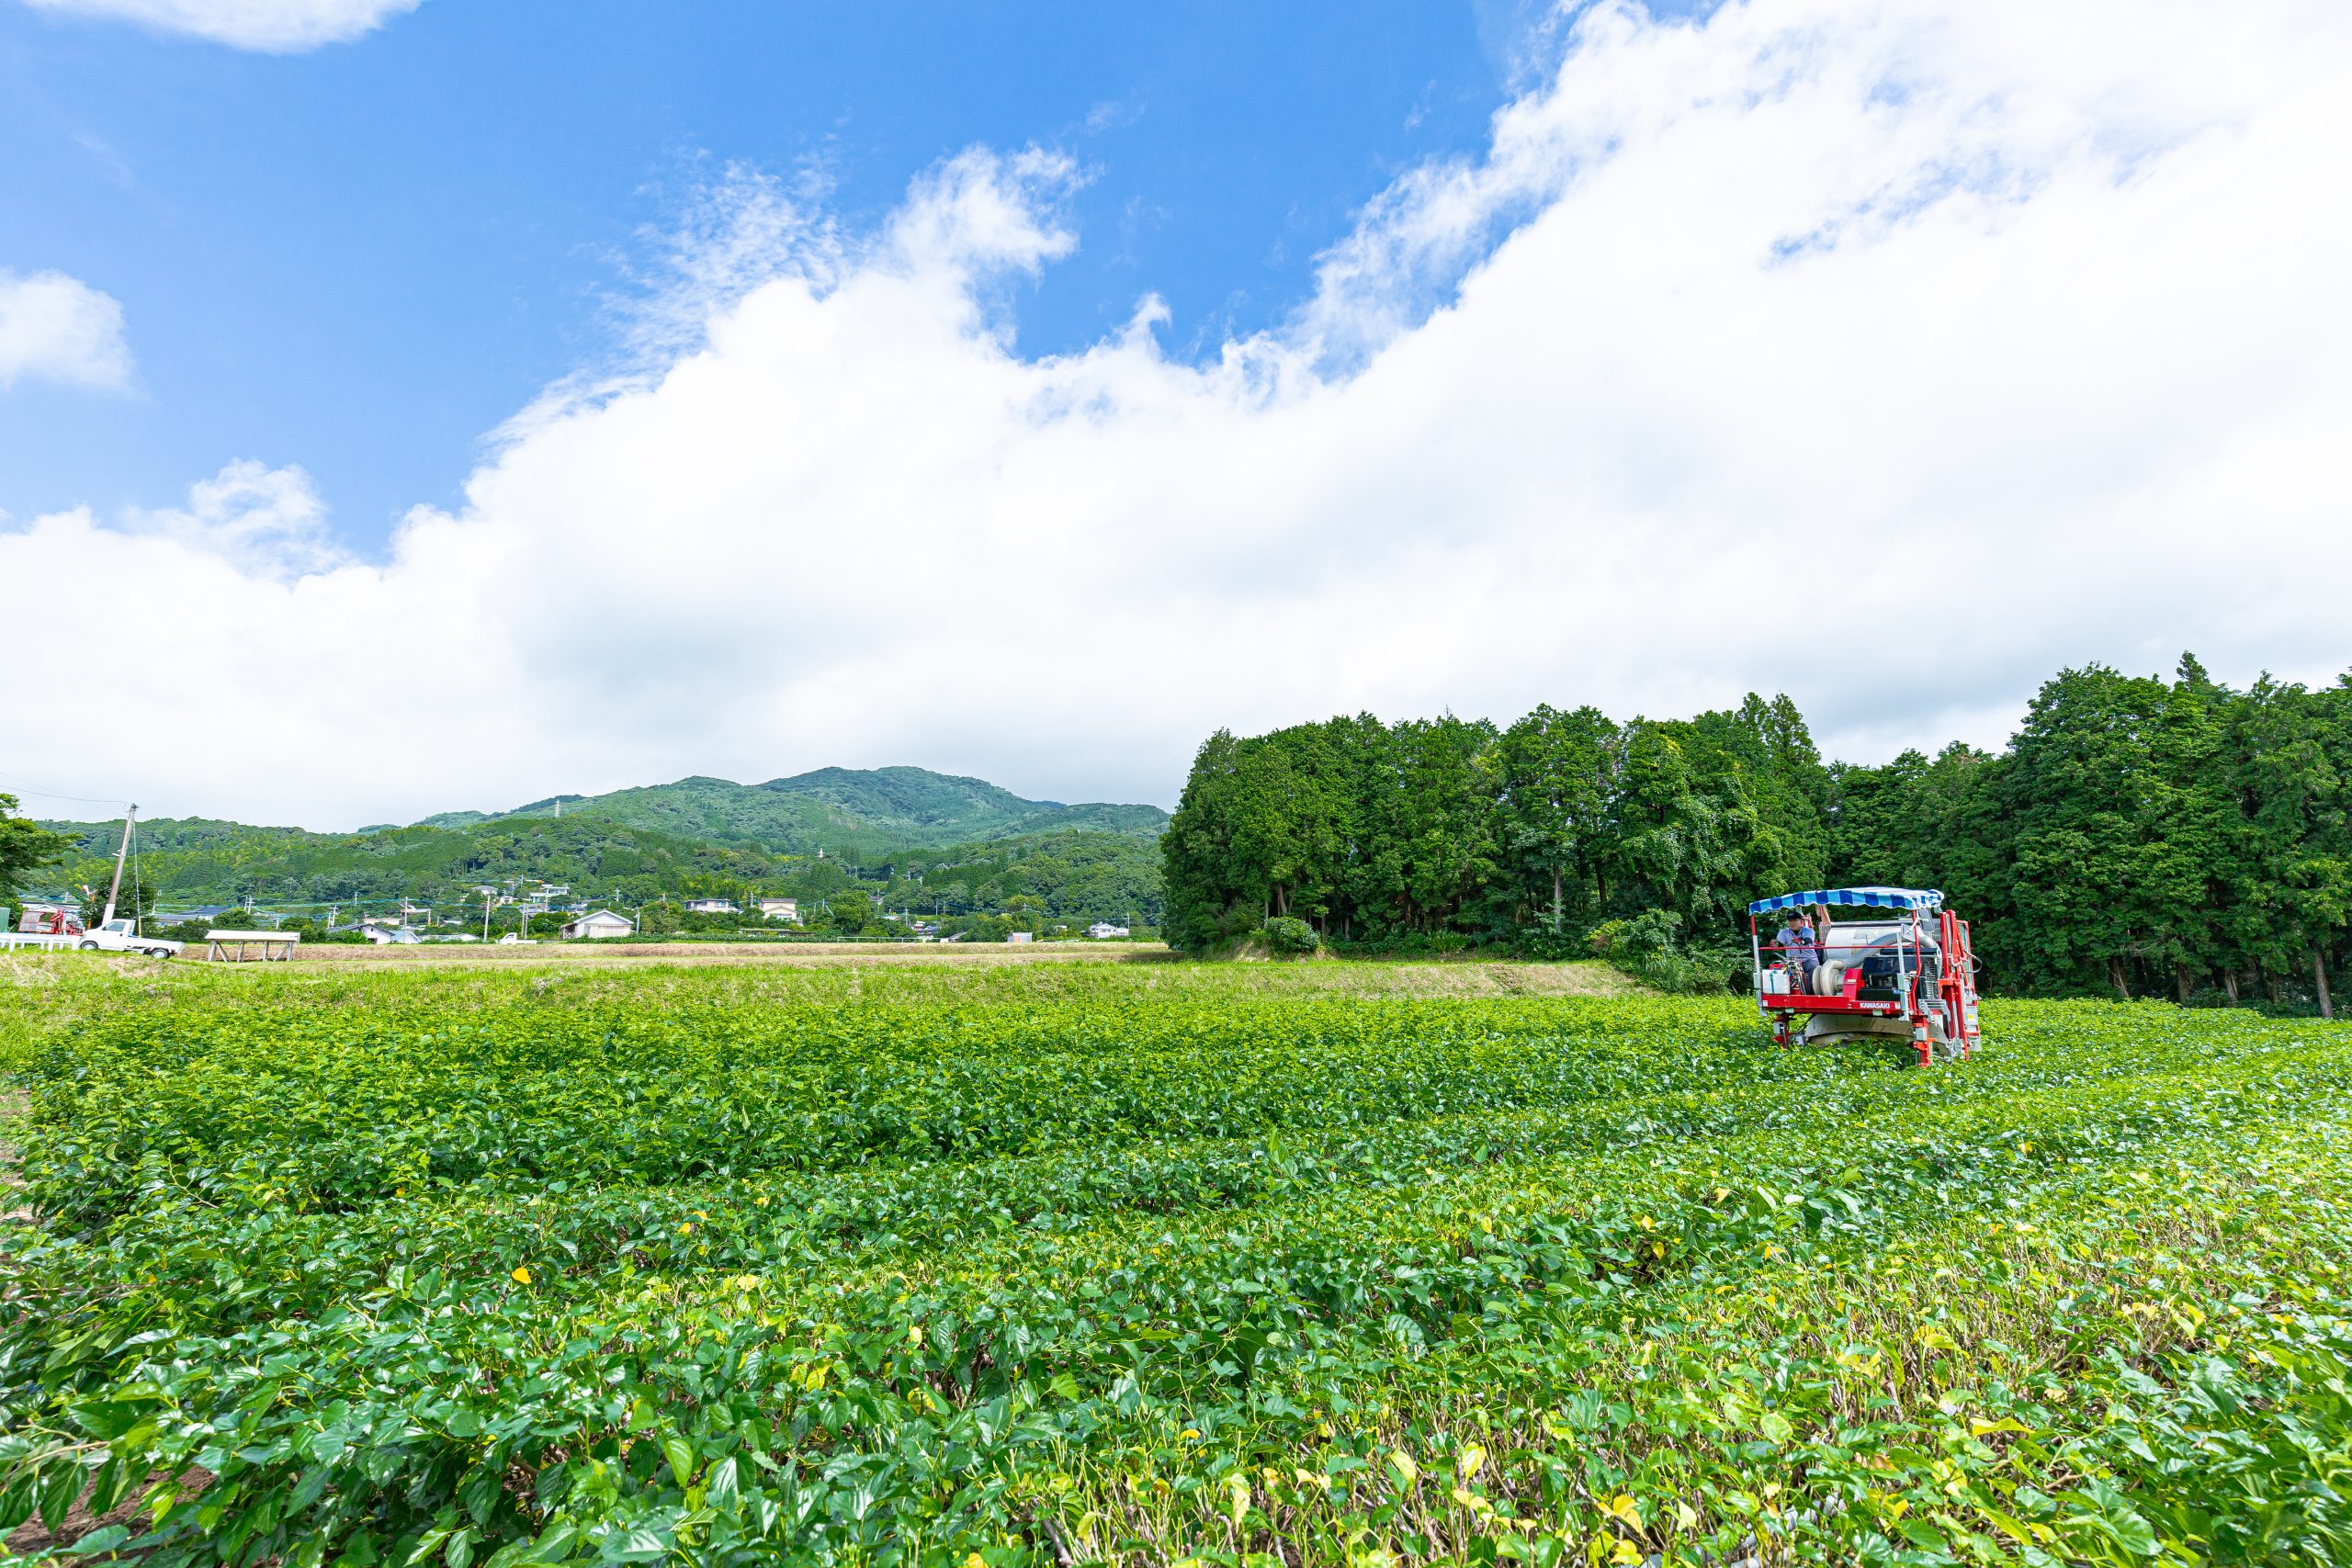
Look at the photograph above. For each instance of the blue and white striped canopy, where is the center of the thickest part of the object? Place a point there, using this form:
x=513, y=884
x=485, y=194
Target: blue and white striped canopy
x=1876, y=898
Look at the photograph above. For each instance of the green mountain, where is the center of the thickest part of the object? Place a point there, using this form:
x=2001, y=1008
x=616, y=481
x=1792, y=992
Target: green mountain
x=909, y=837
x=841, y=810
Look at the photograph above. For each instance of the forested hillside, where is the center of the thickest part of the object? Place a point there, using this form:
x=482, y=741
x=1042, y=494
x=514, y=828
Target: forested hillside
x=904, y=837
x=869, y=812
x=2138, y=835
x=1074, y=874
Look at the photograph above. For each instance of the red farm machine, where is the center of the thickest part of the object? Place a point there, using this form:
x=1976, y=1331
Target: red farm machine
x=1893, y=962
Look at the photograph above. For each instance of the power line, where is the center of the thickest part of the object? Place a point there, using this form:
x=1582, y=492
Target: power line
x=27, y=787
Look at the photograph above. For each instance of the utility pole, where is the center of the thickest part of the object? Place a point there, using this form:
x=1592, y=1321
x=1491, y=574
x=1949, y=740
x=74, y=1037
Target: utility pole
x=485, y=914
x=114, y=891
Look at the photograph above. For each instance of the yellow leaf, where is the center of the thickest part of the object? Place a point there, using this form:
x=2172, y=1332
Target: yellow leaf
x=1406, y=1467
x=1472, y=1458
x=976, y=1560
x=521, y=1276
x=1625, y=1552
x=1622, y=1506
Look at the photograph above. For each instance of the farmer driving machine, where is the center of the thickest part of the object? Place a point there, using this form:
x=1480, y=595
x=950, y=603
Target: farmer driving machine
x=1899, y=965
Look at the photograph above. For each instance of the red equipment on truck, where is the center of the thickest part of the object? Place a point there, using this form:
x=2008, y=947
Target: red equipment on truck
x=1904, y=969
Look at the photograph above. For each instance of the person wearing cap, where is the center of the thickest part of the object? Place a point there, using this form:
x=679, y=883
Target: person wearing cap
x=1801, y=950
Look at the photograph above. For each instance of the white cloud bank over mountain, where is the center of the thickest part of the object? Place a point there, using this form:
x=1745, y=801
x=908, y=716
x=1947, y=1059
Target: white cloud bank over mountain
x=1891, y=353
x=55, y=328
x=281, y=27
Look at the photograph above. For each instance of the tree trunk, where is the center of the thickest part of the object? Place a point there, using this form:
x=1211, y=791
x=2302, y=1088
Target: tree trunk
x=1555, y=894
x=2319, y=978
x=2230, y=984
x=2115, y=978
x=2180, y=982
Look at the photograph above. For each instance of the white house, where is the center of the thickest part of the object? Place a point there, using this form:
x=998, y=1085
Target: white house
x=602, y=923
x=711, y=906
x=1019, y=937
x=781, y=910
x=1103, y=930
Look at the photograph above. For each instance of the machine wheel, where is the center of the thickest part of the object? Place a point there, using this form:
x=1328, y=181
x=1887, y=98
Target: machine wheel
x=89, y=947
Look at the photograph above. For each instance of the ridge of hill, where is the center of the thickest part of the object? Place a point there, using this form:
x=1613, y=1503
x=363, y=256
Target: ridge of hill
x=844, y=810
x=194, y=862
x=698, y=835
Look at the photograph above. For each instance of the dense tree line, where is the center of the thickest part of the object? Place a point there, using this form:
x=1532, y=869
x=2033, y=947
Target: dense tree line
x=2138, y=835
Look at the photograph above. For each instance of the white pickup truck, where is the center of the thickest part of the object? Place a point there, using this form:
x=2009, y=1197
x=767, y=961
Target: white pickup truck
x=114, y=936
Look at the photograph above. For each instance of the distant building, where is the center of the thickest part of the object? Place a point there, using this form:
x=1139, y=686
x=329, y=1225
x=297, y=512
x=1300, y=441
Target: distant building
x=1104, y=929
x=781, y=910
x=1019, y=937
x=602, y=923
x=711, y=906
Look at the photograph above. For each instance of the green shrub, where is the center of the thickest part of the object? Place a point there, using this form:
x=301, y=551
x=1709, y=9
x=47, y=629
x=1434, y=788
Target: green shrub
x=1647, y=947
x=1287, y=936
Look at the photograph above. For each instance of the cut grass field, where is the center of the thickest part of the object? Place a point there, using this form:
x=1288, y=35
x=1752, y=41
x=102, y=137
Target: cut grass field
x=1148, y=1262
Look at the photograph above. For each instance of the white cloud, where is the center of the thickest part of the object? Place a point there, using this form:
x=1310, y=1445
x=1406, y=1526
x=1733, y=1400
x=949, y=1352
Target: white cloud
x=57, y=328
x=267, y=522
x=1891, y=354
x=284, y=27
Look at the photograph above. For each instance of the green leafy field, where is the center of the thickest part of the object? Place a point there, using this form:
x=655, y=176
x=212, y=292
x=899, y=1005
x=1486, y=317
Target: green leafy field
x=1140, y=1267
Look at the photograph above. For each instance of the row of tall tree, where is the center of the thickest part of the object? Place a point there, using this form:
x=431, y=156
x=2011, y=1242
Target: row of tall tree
x=2137, y=835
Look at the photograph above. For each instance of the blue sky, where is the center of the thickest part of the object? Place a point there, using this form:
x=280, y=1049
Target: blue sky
x=1511, y=354
x=363, y=257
